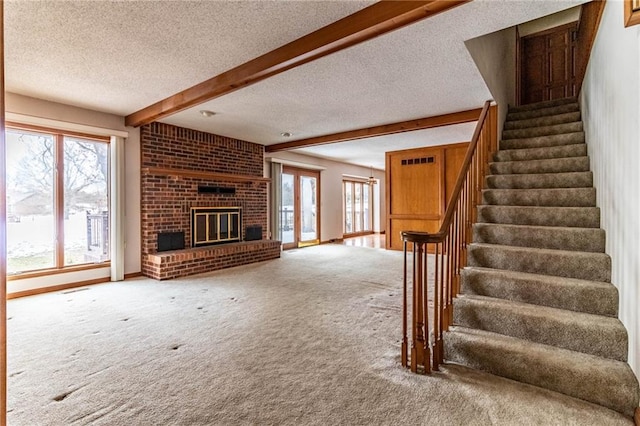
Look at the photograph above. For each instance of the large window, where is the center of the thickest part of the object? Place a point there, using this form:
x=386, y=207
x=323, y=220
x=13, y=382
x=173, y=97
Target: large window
x=358, y=205
x=57, y=200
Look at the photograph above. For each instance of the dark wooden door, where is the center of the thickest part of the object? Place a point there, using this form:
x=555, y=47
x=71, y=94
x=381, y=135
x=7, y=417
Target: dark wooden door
x=548, y=65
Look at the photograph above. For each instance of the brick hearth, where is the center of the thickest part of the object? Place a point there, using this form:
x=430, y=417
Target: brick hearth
x=180, y=263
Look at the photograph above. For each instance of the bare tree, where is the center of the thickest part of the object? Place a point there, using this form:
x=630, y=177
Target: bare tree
x=85, y=170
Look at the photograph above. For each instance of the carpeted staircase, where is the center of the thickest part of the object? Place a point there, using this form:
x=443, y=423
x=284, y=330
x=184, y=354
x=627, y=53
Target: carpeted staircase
x=537, y=304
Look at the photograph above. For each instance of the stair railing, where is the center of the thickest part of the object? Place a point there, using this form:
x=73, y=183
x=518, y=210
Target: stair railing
x=449, y=249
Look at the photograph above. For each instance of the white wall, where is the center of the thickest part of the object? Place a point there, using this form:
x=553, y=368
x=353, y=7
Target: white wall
x=331, y=191
x=610, y=101
x=495, y=57
x=557, y=19
x=54, y=111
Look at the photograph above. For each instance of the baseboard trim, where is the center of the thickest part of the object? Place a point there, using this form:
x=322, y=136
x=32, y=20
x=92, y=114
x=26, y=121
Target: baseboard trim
x=133, y=275
x=50, y=289
x=333, y=241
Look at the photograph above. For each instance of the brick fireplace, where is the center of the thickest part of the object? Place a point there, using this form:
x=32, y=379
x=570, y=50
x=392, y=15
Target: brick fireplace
x=185, y=170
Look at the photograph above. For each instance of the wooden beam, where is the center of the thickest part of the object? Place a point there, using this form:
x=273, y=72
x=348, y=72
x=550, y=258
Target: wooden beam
x=377, y=19
x=590, y=16
x=386, y=129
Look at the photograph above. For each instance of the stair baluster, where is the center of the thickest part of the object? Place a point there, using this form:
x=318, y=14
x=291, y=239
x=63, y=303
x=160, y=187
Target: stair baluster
x=449, y=246
x=521, y=284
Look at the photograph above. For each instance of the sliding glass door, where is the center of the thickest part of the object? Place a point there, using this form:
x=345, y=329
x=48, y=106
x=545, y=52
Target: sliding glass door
x=300, y=207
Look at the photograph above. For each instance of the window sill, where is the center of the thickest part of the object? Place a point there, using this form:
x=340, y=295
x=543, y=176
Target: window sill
x=65, y=270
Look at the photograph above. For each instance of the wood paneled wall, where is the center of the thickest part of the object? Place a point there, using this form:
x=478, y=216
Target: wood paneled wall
x=419, y=183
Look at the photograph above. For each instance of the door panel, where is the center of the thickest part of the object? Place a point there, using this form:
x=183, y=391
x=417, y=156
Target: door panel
x=454, y=157
x=411, y=171
x=308, y=209
x=548, y=65
x=419, y=182
x=287, y=210
x=534, y=72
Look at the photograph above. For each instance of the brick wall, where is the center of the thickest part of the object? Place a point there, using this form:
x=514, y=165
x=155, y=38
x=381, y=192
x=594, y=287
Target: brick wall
x=166, y=200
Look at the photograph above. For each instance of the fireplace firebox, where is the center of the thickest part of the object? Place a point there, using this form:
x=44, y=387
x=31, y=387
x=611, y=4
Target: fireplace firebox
x=215, y=225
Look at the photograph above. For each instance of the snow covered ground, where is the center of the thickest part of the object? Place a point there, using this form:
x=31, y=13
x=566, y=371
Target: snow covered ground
x=31, y=242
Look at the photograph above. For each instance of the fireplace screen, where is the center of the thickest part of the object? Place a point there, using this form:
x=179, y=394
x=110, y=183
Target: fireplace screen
x=215, y=225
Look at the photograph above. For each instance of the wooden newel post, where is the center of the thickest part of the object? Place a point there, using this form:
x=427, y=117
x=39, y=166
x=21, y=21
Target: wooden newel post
x=404, y=347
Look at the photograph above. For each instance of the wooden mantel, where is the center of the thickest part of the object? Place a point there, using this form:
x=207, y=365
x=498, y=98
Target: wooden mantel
x=203, y=175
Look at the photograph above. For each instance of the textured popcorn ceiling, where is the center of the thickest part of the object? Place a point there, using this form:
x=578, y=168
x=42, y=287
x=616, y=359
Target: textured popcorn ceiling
x=370, y=152
x=120, y=56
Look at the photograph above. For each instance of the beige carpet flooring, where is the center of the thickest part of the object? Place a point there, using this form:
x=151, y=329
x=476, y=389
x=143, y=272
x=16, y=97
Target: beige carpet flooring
x=309, y=339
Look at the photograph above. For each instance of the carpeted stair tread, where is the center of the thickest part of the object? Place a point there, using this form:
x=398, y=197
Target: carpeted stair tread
x=526, y=154
x=549, y=237
x=579, y=217
x=551, y=197
x=602, y=381
x=542, y=112
x=559, y=263
x=540, y=180
x=536, y=302
x=577, y=331
x=543, y=141
x=593, y=297
x=550, y=165
x=533, y=132
x=548, y=120
x=543, y=104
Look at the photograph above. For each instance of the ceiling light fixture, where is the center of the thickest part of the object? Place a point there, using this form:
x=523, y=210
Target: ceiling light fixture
x=207, y=113
x=372, y=179
x=285, y=134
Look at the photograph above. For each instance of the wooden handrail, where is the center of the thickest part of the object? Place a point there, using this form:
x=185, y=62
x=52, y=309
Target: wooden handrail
x=449, y=248
x=425, y=237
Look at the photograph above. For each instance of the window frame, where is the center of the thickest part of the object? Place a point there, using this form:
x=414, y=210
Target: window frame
x=631, y=12
x=58, y=195
x=365, y=187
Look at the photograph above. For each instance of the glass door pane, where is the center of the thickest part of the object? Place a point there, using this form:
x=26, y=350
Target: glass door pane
x=358, y=207
x=308, y=208
x=366, y=203
x=348, y=207
x=287, y=214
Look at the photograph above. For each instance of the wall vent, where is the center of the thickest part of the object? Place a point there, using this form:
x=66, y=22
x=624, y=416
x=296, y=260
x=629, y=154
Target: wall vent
x=421, y=160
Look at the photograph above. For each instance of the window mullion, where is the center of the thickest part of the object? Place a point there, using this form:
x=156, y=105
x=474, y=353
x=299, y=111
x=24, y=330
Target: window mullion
x=353, y=207
x=362, y=208
x=344, y=207
x=362, y=227
x=58, y=191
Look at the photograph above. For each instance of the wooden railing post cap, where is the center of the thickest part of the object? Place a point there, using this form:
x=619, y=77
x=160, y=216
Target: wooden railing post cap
x=415, y=236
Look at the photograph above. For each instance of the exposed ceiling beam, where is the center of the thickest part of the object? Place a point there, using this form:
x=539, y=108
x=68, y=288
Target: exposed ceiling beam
x=386, y=129
x=375, y=20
